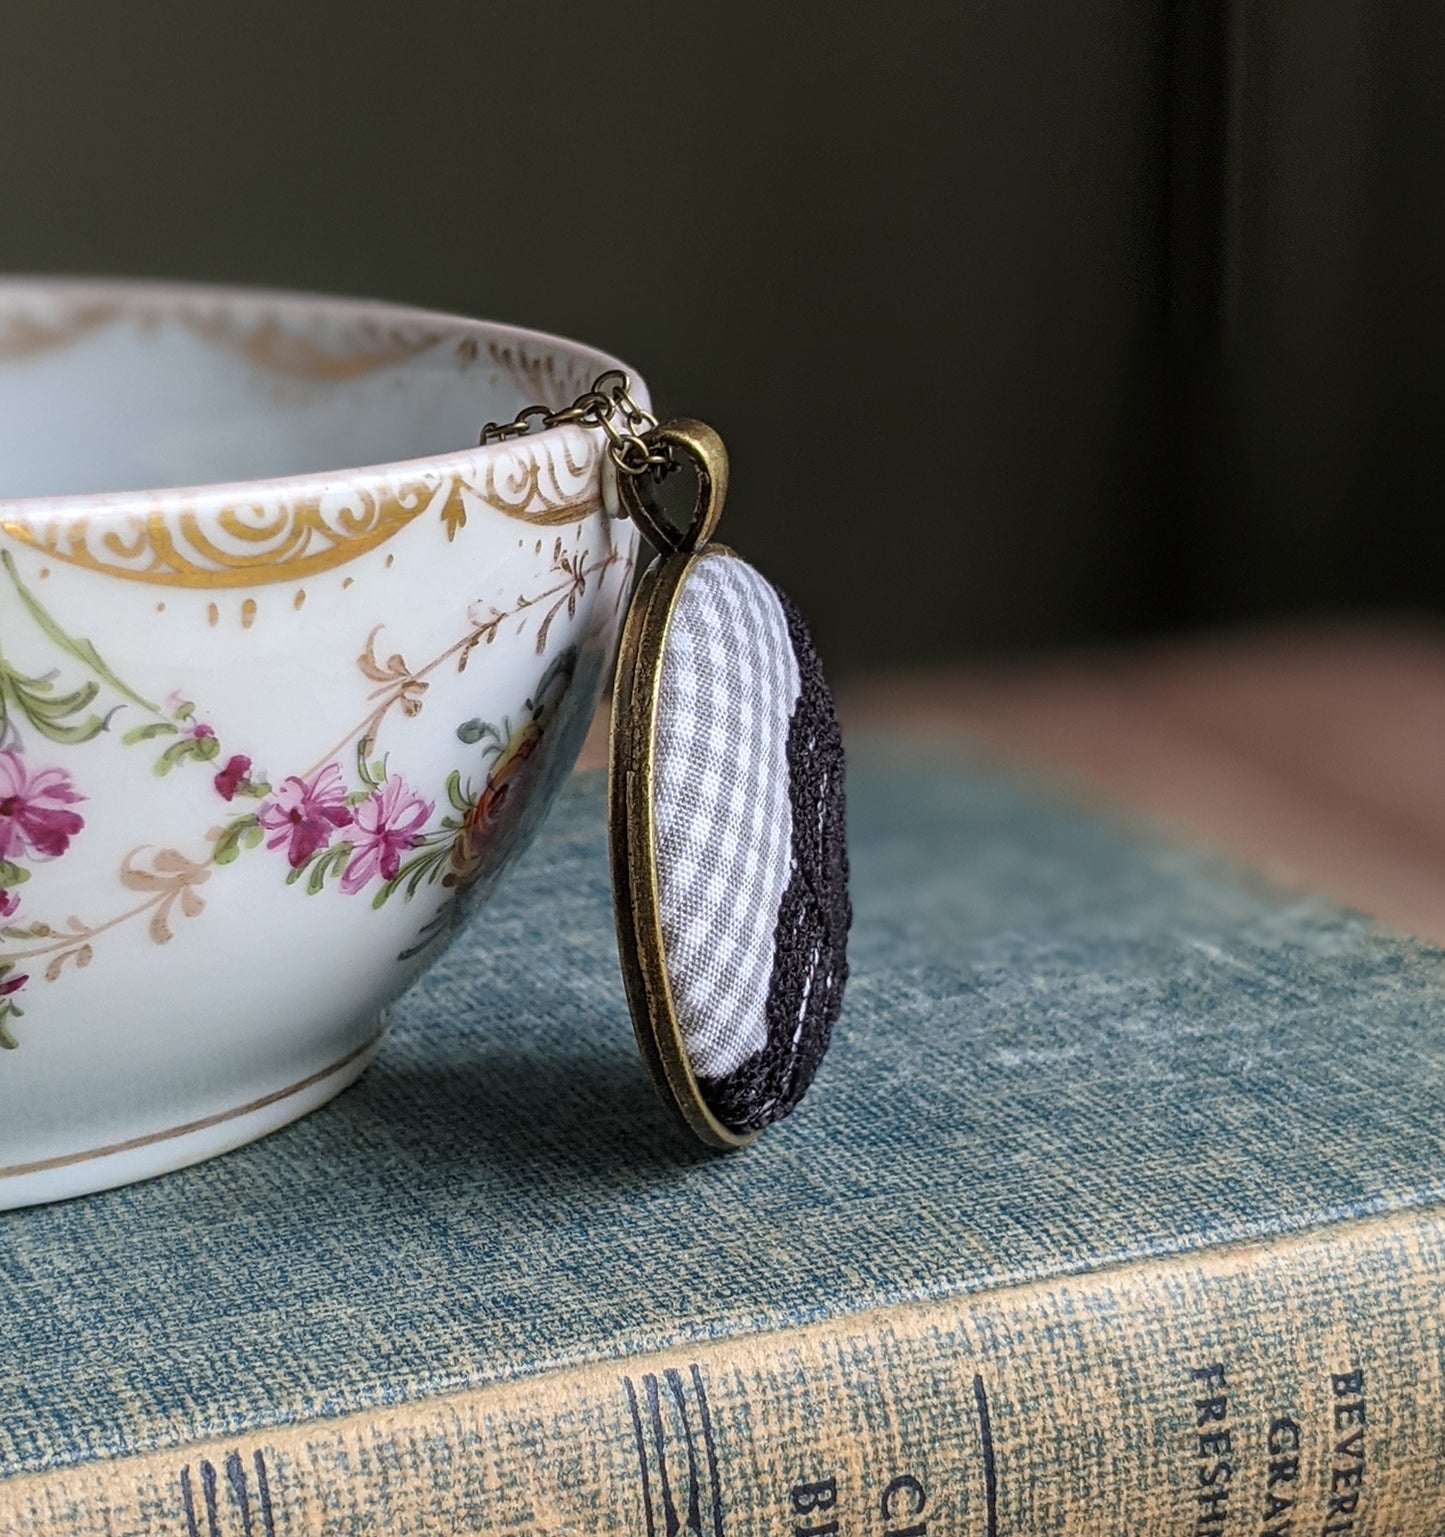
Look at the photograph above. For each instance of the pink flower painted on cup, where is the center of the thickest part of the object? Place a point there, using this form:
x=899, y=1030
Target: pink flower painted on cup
x=230, y=779
x=303, y=813
x=35, y=814
x=387, y=824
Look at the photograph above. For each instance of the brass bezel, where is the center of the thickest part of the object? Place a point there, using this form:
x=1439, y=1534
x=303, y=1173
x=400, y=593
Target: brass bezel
x=634, y=866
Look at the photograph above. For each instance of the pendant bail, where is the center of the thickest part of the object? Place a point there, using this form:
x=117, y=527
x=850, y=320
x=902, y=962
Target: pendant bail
x=704, y=450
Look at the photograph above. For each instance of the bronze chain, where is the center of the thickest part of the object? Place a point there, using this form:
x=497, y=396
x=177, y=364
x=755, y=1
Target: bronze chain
x=608, y=405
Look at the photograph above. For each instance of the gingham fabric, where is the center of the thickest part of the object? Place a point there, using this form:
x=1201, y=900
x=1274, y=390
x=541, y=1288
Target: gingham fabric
x=723, y=827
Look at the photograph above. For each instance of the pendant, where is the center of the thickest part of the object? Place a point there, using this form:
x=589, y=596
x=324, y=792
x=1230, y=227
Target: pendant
x=727, y=821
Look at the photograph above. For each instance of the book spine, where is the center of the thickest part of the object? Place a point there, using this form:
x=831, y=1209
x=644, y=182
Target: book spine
x=1292, y=1389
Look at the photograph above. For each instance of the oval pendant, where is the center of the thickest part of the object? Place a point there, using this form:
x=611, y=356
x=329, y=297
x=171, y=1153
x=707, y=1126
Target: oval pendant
x=729, y=856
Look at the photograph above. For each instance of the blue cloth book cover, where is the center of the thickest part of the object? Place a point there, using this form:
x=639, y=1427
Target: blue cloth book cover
x=1116, y=1207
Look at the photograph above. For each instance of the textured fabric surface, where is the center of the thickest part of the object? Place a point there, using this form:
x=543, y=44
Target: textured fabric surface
x=723, y=829
x=1061, y=1047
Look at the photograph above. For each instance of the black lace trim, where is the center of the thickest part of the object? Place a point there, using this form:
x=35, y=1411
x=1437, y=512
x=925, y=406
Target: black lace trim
x=810, y=944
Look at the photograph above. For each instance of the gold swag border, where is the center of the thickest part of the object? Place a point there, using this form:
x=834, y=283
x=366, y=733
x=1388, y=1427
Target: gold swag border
x=283, y=539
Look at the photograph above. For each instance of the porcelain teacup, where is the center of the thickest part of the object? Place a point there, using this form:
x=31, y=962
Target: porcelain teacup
x=289, y=668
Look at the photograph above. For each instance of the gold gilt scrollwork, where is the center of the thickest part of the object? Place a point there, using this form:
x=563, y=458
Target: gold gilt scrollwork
x=541, y=377
x=28, y=336
x=320, y=347
x=283, y=539
x=283, y=348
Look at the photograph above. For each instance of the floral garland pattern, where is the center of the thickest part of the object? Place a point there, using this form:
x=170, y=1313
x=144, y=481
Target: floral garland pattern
x=346, y=820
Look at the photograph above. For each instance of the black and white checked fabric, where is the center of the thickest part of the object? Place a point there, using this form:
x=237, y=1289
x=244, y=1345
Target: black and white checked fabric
x=722, y=821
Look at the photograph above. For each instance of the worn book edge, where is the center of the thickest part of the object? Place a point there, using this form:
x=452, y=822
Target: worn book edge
x=1283, y=1386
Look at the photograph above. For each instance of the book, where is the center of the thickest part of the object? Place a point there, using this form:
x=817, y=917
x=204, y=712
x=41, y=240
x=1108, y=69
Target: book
x=1116, y=1208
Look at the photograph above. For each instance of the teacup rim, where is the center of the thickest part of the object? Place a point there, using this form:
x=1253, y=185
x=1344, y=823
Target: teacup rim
x=312, y=482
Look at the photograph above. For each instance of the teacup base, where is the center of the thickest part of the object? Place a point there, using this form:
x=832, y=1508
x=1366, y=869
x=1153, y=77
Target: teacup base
x=161, y=1152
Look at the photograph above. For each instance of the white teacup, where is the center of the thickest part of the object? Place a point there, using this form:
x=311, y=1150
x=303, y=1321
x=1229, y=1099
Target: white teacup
x=261, y=732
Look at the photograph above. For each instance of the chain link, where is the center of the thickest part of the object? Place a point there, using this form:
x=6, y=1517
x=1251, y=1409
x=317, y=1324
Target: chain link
x=608, y=405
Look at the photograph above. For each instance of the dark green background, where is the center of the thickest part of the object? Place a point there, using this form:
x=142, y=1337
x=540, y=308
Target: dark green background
x=1025, y=323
